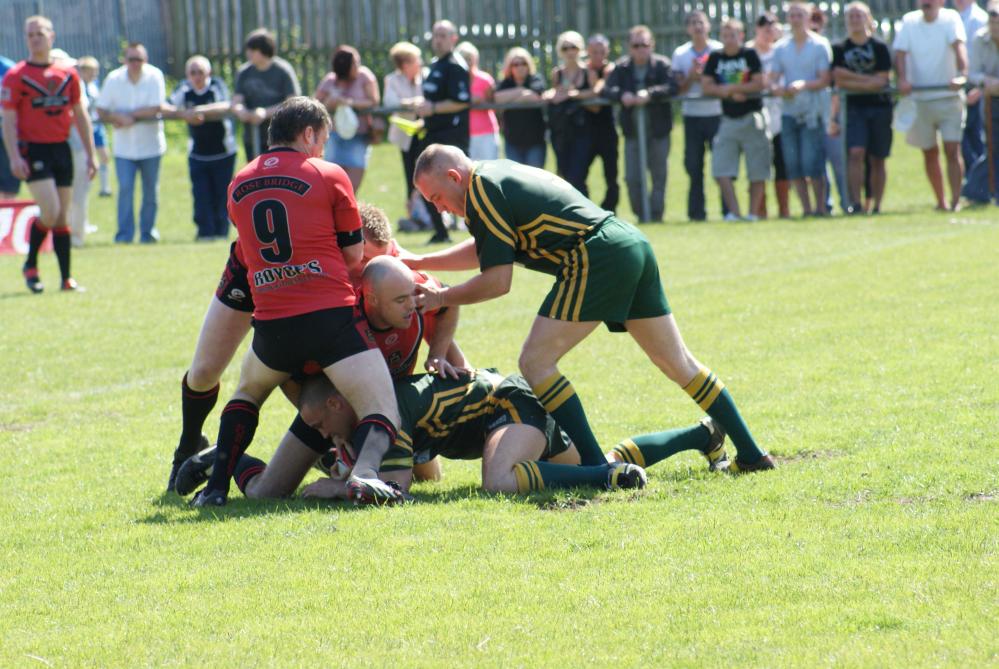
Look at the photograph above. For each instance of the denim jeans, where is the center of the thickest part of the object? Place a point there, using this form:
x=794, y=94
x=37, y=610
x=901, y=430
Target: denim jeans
x=698, y=133
x=126, y=169
x=572, y=160
x=804, y=149
x=209, y=183
x=973, y=141
x=533, y=155
x=656, y=161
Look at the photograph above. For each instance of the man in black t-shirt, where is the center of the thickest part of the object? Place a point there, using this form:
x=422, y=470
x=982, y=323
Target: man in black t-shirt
x=734, y=74
x=862, y=63
x=203, y=101
x=446, y=96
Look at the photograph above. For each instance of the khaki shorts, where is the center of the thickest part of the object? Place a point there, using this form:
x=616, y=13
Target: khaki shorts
x=945, y=115
x=746, y=134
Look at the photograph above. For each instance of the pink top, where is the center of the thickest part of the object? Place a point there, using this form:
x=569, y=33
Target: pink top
x=482, y=121
x=354, y=90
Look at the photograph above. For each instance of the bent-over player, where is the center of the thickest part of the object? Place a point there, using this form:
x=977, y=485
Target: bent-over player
x=605, y=270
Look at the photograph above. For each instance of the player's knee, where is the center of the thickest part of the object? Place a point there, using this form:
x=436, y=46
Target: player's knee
x=534, y=367
x=203, y=375
x=495, y=480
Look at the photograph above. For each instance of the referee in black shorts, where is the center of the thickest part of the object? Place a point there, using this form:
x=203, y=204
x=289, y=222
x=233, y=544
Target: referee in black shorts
x=445, y=104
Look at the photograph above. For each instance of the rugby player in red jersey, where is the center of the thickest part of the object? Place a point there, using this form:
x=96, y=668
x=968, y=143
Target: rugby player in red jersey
x=228, y=320
x=388, y=300
x=299, y=232
x=40, y=101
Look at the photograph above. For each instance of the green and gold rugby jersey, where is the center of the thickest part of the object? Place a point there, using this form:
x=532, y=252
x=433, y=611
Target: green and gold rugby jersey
x=445, y=417
x=521, y=214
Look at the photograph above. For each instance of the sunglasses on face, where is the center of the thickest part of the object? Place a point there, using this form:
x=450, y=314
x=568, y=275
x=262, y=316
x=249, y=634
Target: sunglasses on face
x=135, y=59
x=518, y=64
x=641, y=45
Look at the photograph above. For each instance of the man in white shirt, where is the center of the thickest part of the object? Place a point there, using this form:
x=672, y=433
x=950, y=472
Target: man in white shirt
x=132, y=100
x=930, y=51
x=701, y=116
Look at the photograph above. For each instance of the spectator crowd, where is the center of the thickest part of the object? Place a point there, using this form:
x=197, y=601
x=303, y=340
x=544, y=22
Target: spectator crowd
x=769, y=100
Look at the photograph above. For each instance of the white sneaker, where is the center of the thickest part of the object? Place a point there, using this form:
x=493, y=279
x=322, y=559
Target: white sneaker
x=750, y=218
x=730, y=217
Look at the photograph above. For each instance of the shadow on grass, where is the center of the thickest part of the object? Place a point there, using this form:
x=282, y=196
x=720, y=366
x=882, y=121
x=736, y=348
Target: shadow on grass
x=20, y=294
x=166, y=506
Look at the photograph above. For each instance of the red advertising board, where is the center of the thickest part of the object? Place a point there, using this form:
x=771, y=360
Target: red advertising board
x=15, y=226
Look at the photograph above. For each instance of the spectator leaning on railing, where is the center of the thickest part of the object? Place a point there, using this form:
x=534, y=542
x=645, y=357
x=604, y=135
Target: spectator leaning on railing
x=644, y=79
x=733, y=74
x=603, y=134
x=802, y=59
x=203, y=102
x=523, y=129
x=768, y=32
x=984, y=72
x=862, y=66
x=701, y=117
x=929, y=51
x=132, y=100
x=572, y=83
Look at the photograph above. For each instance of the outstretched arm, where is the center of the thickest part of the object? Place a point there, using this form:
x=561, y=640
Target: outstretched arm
x=491, y=283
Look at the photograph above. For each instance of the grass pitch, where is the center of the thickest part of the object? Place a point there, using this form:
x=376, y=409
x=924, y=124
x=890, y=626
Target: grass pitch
x=862, y=352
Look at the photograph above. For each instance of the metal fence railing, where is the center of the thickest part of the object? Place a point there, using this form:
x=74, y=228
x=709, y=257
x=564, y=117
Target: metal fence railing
x=641, y=123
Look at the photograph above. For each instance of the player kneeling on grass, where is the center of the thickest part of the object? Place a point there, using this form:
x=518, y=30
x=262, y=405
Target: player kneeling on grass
x=481, y=415
x=300, y=234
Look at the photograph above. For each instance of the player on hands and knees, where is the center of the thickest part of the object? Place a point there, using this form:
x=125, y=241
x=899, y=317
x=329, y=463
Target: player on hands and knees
x=604, y=269
x=40, y=100
x=300, y=234
x=481, y=415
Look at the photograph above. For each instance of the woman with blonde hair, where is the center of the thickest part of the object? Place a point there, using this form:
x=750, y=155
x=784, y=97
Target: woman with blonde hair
x=404, y=88
x=523, y=129
x=861, y=63
x=572, y=83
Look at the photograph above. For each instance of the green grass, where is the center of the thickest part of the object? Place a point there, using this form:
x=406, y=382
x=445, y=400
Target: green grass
x=861, y=351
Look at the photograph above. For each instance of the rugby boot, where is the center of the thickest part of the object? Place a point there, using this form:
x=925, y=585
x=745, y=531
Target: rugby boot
x=32, y=280
x=624, y=475
x=714, y=452
x=209, y=498
x=178, y=460
x=71, y=286
x=372, y=491
x=194, y=471
x=764, y=463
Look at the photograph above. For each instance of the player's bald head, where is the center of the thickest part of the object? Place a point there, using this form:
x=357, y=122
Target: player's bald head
x=437, y=159
x=382, y=269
